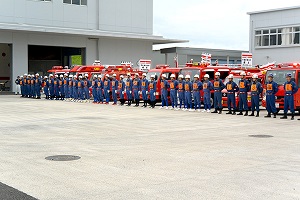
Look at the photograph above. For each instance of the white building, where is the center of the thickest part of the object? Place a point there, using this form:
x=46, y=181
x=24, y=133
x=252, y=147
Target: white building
x=275, y=35
x=37, y=34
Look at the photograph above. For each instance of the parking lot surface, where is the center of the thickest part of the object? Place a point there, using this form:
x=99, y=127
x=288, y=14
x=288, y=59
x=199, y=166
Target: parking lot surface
x=137, y=153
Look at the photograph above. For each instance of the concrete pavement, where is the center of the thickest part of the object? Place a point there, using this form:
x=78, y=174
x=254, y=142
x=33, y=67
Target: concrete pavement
x=137, y=153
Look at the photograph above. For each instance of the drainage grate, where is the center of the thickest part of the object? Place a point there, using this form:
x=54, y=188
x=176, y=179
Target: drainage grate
x=62, y=158
x=261, y=136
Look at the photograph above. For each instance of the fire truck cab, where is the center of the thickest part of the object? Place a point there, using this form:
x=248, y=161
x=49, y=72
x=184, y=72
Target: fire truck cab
x=90, y=70
x=279, y=73
x=158, y=72
x=59, y=70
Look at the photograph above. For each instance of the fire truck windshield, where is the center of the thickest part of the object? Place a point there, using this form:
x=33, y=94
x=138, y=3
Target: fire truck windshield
x=148, y=77
x=280, y=75
x=191, y=72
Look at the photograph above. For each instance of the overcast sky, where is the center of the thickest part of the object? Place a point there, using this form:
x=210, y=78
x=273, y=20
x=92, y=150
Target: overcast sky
x=210, y=23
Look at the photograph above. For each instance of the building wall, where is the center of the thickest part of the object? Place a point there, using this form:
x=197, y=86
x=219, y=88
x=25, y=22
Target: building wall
x=276, y=19
x=131, y=16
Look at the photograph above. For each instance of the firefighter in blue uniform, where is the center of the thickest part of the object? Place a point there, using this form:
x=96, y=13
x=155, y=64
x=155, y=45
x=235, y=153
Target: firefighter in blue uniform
x=256, y=90
x=94, y=88
x=87, y=85
x=152, y=88
x=106, y=88
x=21, y=85
x=66, y=87
x=207, y=88
x=181, y=92
x=188, y=87
x=173, y=92
x=70, y=88
x=218, y=87
x=37, y=86
x=129, y=89
x=32, y=91
x=197, y=87
x=290, y=89
x=100, y=90
x=272, y=89
x=28, y=85
x=164, y=85
x=136, y=89
x=56, y=89
x=114, y=89
x=244, y=87
x=144, y=88
x=51, y=86
x=24, y=84
x=46, y=87
x=75, y=88
x=80, y=85
x=121, y=90
x=232, y=88
x=61, y=86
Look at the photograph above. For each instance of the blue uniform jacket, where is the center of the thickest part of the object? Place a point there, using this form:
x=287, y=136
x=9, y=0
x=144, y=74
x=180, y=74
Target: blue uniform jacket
x=145, y=85
x=188, y=86
x=219, y=85
x=207, y=86
x=290, y=88
x=272, y=88
x=181, y=86
x=129, y=85
x=232, y=87
x=164, y=84
x=256, y=88
x=244, y=86
x=197, y=86
x=136, y=84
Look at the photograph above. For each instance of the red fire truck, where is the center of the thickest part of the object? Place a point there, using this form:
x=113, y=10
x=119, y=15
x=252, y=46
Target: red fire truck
x=158, y=72
x=279, y=73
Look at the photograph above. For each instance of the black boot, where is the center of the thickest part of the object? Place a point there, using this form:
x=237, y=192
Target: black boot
x=284, y=116
x=229, y=113
x=257, y=114
x=240, y=113
x=293, y=116
x=233, y=112
x=145, y=104
x=252, y=114
x=274, y=115
x=215, y=111
x=220, y=111
x=246, y=114
x=268, y=116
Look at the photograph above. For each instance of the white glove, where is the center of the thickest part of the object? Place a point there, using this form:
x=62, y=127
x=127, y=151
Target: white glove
x=123, y=92
x=146, y=92
x=108, y=91
x=116, y=91
x=130, y=92
x=140, y=92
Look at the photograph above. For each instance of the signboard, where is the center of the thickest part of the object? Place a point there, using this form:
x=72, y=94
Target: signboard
x=206, y=58
x=246, y=59
x=144, y=65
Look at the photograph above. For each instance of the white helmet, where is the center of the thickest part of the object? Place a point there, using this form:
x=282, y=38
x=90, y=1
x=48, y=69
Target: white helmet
x=243, y=73
x=80, y=76
x=136, y=74
x=121, y=76
x=107, y=75
x=217, y=74
x=100, y=76
x=86, y=75
x=180, y=76
x=255, y=76
x=128, y=74
x=25, y=74
x=56, y=75
x=206, y=76
x=196, y=76
x=230, y=76
x=164, y=76
x=66, y=74
x=50, y=75
x=75, y=76
x=37, y=74
x=46, y=77
x=71, y=76
x=61, y=76
x=173, y=76
x=144, y=74
x=95, y=76
x=188, y=76
x=152, y=76
x=21, y=76
x=114, y=75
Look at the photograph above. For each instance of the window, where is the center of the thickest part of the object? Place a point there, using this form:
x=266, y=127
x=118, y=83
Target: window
x=287, y=36
x=45, y=0
x=76, y=2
